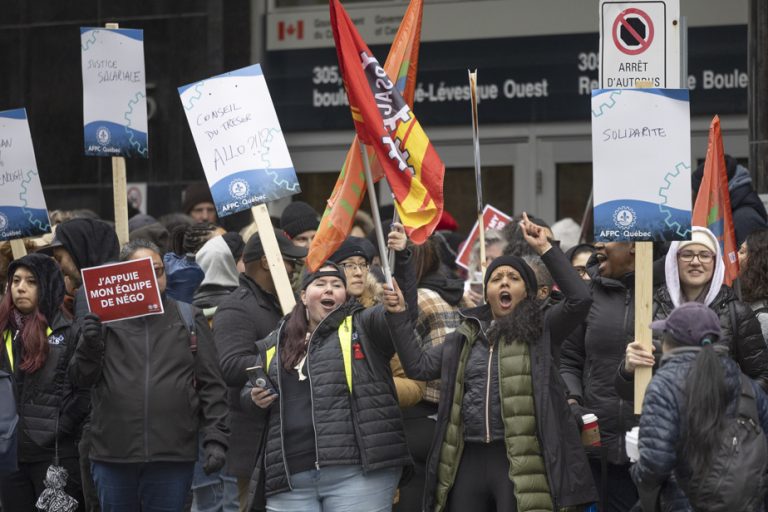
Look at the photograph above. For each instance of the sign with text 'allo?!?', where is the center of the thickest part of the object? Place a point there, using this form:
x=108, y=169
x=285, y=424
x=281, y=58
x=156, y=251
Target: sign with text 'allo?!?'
x=114, y=92
x=118, y=291
x=239, y=140
x=493, y=218
x=641, y=157
x=22, y=206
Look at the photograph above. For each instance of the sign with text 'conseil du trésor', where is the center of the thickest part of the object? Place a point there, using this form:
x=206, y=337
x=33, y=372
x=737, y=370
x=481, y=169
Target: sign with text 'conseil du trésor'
x=641, y=153
x=22, y=205
x=114, y=92
x=239, y=140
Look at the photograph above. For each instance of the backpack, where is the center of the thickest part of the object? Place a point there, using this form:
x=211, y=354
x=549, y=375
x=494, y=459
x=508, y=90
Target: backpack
x=737, y=478
x=9, y=419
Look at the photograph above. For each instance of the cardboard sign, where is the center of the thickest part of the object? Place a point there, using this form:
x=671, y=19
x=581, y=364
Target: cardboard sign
x=22, y=206
x=122, y=290
x=641, y=154
x=114, y=92
x=640, y=44
x=239, y=140
x=492, y=219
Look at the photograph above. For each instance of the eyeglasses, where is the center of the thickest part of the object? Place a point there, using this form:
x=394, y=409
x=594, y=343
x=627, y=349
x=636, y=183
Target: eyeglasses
x=704, y=256
x=354, y=267
x=159, y=271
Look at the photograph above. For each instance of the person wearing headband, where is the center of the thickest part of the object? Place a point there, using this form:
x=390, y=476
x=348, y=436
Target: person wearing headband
x=505, y=438
x=334, y=438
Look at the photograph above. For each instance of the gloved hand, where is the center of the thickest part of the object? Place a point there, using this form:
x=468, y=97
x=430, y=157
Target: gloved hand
x=92, y=329
x=215, y=456
x=578, y=411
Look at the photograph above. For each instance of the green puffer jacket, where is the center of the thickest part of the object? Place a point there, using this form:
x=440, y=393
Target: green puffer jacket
x=556, y=432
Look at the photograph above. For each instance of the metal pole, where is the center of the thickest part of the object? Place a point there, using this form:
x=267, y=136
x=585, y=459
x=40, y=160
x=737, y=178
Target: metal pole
x=375, y=213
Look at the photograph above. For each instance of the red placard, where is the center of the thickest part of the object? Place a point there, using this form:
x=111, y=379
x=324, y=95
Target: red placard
x=492, y=219
x=122, y=290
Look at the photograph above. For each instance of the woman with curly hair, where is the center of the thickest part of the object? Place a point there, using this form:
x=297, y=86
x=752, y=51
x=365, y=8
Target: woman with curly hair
x=753, y=265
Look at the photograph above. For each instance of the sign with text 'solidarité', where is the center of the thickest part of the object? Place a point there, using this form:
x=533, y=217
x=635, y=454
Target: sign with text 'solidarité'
x=118, y=291
x=114, y=92
x=22, y=206
x=239, y=140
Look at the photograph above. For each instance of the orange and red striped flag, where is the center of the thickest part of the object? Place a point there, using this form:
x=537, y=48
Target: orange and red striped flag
x=712, y=209
x=349, y=191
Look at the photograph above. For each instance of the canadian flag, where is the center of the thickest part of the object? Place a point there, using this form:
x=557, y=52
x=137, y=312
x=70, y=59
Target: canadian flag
x=285, y=30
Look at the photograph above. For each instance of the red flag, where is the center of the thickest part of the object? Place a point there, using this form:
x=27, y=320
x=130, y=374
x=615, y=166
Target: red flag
x=348, y=193
x=713, y=203
x=385, y=122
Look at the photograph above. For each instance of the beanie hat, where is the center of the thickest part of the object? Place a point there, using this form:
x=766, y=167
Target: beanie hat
x=235, y=243
x=336, y=272
x=195, y=194
x=352, y=246
x=699, y=237
x=529, y=277
x=297, y=218
x=447, y=223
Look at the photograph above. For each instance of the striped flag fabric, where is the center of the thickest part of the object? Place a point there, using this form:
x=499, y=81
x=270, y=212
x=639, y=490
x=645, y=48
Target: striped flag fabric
x=712, y=209
x=349, y=190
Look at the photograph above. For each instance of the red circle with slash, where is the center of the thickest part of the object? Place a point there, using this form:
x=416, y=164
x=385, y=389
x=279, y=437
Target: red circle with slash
x=643, y=42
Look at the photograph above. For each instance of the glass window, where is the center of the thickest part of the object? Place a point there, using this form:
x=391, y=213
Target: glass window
x=574, y=184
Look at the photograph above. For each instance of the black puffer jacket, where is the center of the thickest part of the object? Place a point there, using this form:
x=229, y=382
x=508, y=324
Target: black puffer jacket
x=592, y=353
x=661, y=425
x=376, y=422
x=246, y=316
x=744, y=339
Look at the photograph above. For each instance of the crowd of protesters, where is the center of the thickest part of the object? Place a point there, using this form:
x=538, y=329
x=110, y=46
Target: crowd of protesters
x=448, y=390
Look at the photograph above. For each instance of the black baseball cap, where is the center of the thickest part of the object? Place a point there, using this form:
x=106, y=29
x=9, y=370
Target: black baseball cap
x=254, y=249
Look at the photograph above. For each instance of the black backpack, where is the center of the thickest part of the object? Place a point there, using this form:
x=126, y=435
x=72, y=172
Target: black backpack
x=9, y=420
x=737, y=478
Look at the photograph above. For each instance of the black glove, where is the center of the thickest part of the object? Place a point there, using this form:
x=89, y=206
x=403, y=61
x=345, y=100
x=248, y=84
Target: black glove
x=578, y=411
x=92, y=329
x=215, y=456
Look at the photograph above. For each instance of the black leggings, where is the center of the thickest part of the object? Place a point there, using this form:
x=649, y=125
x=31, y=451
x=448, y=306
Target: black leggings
x=482, y=481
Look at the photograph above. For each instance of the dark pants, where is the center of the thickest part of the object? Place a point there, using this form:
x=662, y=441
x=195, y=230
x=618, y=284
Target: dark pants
x=19, y=490
x=482, y=481
x=149, y=487
x=90, y=497
x=621, y=493
x=419, y=429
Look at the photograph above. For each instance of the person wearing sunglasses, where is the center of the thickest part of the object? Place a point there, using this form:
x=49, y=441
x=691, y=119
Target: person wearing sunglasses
x=694, y=273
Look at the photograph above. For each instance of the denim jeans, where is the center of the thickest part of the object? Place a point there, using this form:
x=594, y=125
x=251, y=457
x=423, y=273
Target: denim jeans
x=149, y=487
x=338, y=489
x=219, y=496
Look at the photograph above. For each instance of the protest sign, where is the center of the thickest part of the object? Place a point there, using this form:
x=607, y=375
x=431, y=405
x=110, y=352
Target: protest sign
x=239, y=140
x=22, y=206
x=492, y=219
x=114, y=92
x=118, y=291
x=641, y=147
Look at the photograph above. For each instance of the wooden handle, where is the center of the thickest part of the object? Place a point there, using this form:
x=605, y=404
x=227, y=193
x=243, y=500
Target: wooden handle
x=643, y=312
x=272, y=251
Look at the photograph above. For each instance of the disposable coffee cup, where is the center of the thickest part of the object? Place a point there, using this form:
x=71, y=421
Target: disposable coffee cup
x=630, y=443
x=590, y=432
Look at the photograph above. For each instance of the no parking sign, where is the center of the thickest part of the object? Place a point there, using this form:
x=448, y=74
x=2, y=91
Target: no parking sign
x=640, y=44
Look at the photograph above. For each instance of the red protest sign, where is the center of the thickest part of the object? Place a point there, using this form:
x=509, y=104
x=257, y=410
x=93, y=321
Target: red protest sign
x=122, y=290
x=492, y=219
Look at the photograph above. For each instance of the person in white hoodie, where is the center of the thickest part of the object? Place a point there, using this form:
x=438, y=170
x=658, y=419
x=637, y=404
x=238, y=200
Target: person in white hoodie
x=219, y=260
x=694, y=272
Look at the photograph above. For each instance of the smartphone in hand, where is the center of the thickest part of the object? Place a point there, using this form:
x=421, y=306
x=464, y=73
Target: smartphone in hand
x=258, y=378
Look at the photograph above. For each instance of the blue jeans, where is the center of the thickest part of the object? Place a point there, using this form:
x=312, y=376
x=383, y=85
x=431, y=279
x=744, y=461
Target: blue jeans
x=220, y=496
x=149, y=487
x=338, y=489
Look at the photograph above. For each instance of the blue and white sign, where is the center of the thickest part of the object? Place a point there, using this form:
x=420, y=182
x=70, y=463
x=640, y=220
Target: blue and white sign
x=22, y=206
x=114, y=92
x=239, y=140
x=641, y=154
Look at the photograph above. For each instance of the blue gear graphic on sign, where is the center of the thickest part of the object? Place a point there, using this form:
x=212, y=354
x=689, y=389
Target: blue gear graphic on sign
x=23, y=197
x=126, y=116
x=265, y=137
x=197, y=96
x=606, y=105
x=90, y=42
x=663, y=193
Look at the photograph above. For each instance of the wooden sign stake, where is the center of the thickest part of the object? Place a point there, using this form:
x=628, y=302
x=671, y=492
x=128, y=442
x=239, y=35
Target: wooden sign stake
x=272, y=251
x=18, y=248
x=643, y=312
x=119, y=187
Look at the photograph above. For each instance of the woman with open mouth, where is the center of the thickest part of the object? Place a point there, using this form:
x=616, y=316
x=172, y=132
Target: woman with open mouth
x=334, y=438
x=505, y=438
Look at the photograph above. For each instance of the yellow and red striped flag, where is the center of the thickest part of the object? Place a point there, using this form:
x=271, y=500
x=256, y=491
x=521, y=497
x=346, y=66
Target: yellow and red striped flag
x=348, y=193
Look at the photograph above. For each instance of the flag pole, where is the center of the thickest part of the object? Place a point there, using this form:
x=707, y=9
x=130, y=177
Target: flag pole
x=478, y=176
x=375, y=214
x=391, y=254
